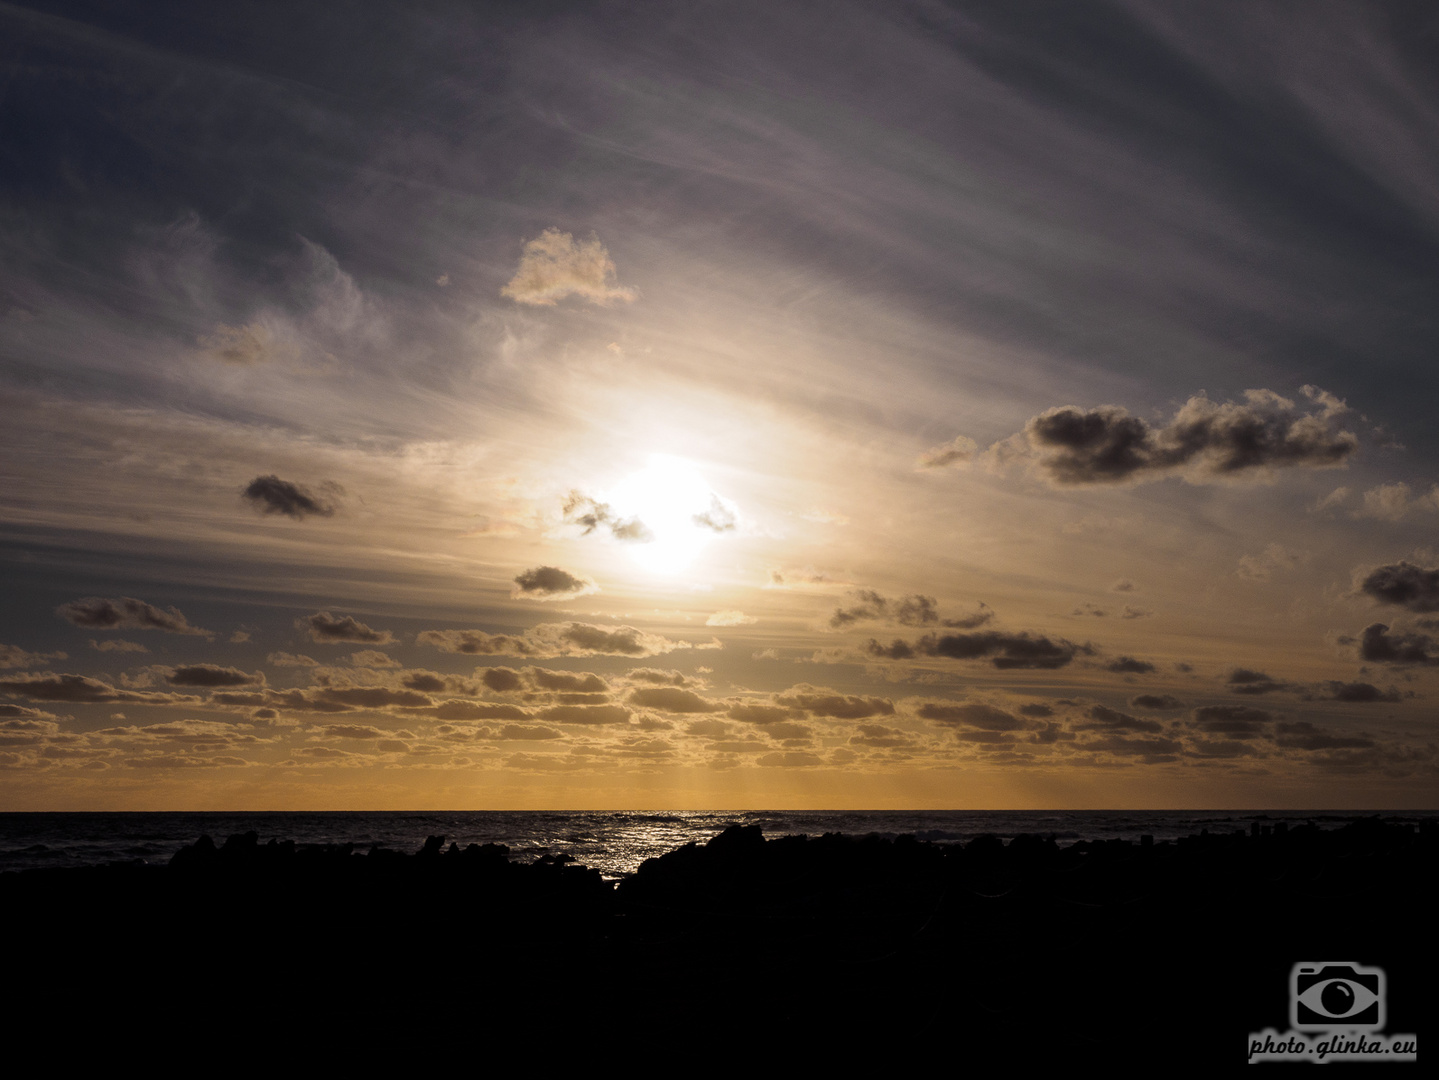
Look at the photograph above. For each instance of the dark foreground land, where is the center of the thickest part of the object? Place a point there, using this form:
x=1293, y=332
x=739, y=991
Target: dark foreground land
x=1127, y=956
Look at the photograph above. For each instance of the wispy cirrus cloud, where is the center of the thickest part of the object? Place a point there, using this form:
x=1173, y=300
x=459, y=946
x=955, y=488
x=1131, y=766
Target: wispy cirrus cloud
x=960, y=450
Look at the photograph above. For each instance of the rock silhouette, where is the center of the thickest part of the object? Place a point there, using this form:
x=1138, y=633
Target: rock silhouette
x=1104, y=952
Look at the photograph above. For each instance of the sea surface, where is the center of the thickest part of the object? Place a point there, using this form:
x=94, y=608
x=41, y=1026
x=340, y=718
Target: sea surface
x=613, y=842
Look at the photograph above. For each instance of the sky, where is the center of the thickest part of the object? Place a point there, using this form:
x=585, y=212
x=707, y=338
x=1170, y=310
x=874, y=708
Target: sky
x=719, y=405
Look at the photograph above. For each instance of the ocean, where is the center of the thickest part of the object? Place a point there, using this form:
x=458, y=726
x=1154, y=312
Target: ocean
x=613, y=842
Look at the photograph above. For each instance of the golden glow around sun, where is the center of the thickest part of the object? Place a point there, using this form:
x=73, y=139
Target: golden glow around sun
x=679, y=511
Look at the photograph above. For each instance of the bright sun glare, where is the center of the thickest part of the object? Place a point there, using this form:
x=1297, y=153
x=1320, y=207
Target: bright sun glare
x=667, y=495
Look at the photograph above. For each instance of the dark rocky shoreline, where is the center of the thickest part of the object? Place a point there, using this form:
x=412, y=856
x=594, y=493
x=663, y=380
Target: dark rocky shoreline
x=831, y=945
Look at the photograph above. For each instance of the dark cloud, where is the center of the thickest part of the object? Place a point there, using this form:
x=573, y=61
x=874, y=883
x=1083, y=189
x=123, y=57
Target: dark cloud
x=986, y=739
x=114, y=645
x=789, y=759
x=1154, y=751
x=658, y=677
x=895, y=650
x=915, y=610
x=879, y=737
x=476, y=710
x=1404, y=585
x=631, y=529
x=575, y=682
x=527, y=732
x=1224, y=748
x=551, y=583
x=271, y=495
x=969, y=622
x=585, y=639
x=127, y=613
x=1204, y=441
x=554, y=639
x=12, y=656
x=808, y=575
x=323, y=752
x=1155, y=701
x=1036, y=709
x=763, y=714
x=971, y=714
x=579, y=699
x=872, y=606
x=590, y=514
x=1232, y=721
x=502, y=680
x=709, y=729
x=27, y=731
x=785, y=731
x=20, y=711
x=373, y=697
x=242, y=698
x=586, y=714
x=1103, y=718
x=1358, y=692
x=1004, y=650
x=1050, y=733
x=476, y=643
x=1378, y=645
x=1245, y=681
x=284, y=659
x=919, y=610
x=1303, y=735
x=1128, y=665
x=211, y=675
x=354, y=731
x=672, y=699
x=819, y=702
x=80, y=689
x=287, y=700
x=373, y=658
x=426, y=682
x=330, y=629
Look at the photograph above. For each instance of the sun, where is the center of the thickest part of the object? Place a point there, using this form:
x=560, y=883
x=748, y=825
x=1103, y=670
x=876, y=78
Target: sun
x=679, y=512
